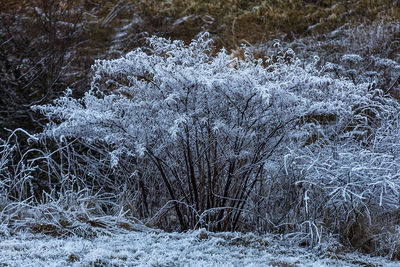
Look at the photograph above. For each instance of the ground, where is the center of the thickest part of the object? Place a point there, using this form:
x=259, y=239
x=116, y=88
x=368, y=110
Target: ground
x=156, y=248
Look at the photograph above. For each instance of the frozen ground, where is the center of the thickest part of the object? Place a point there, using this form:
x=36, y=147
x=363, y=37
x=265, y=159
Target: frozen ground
x=146, y=248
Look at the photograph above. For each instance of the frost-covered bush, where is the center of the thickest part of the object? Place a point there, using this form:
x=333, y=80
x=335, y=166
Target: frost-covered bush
x=351, y=185
x=203, y=127
x=233, y=144
x=359, y=52
x=349, y=172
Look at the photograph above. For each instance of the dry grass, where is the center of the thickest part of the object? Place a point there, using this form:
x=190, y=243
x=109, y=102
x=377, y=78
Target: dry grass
x=231, y=21
x=254, y=21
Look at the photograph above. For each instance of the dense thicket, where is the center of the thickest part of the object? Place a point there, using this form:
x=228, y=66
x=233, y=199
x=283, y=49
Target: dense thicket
x=184, y=139
x=38, y=58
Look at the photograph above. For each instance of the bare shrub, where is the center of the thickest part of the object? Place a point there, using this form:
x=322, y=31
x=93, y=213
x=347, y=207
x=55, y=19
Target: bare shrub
x=37, y=55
